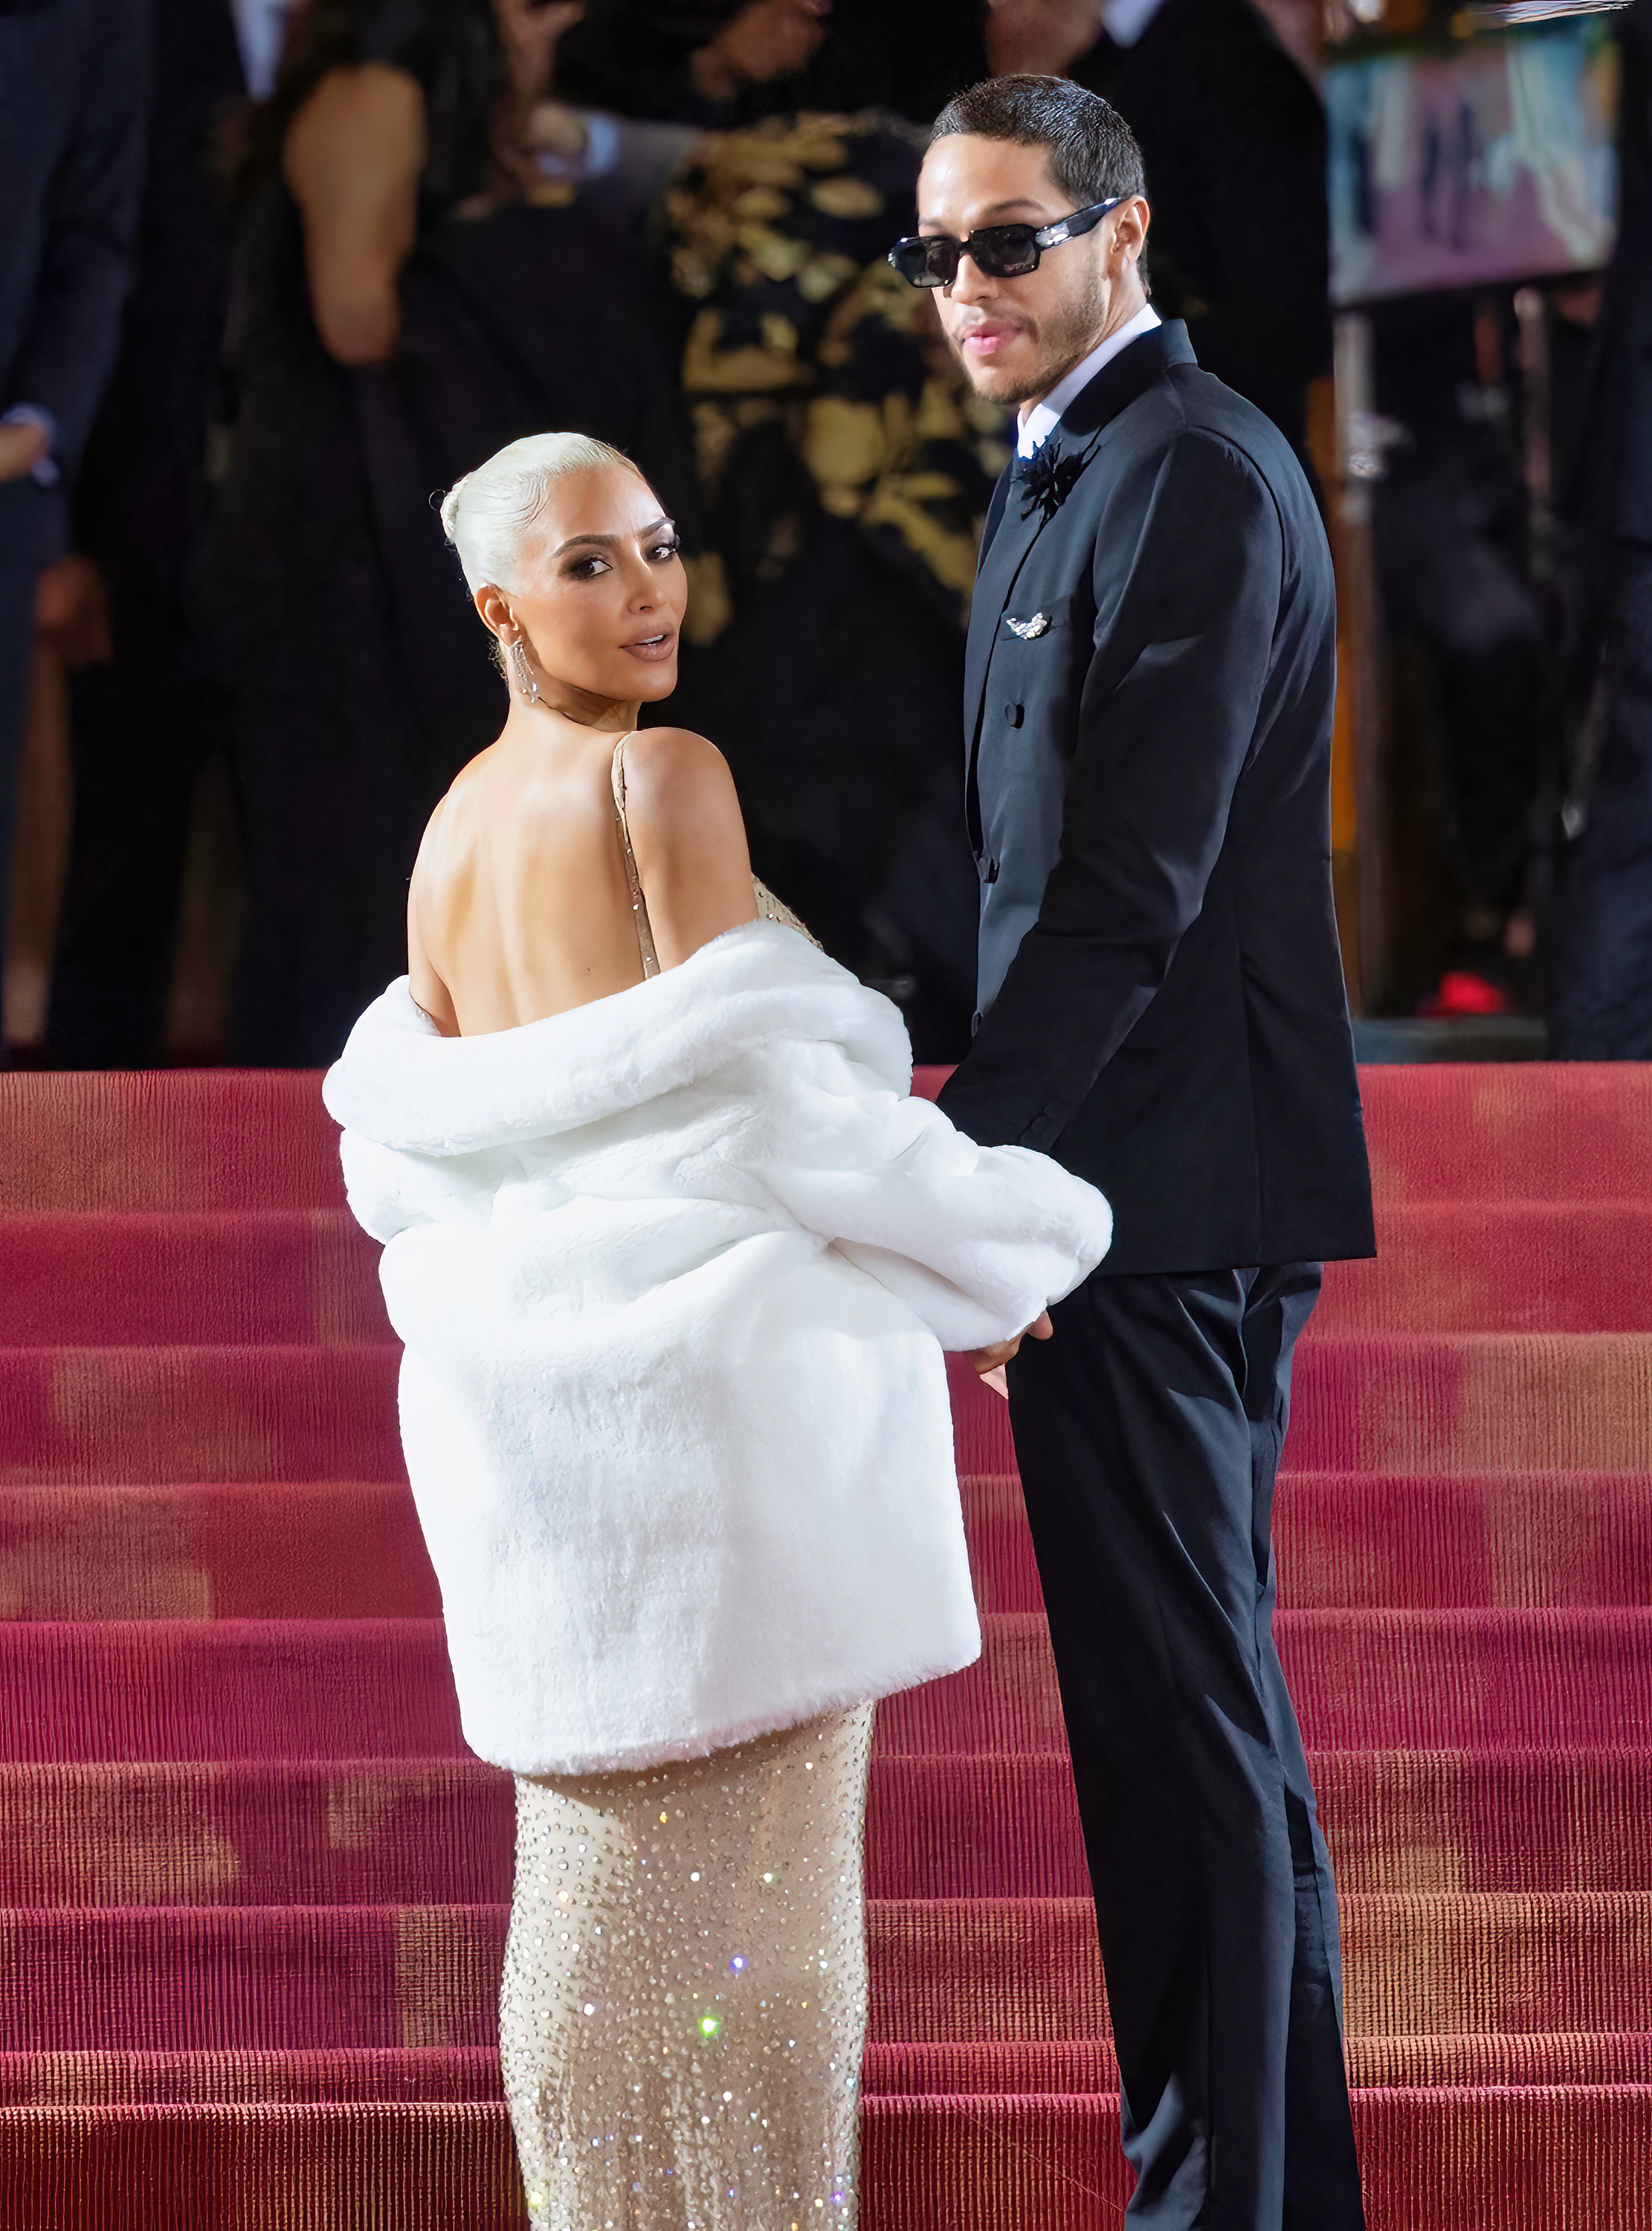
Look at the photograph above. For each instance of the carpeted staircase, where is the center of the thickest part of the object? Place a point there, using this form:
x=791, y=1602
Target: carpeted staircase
x=252, y=1888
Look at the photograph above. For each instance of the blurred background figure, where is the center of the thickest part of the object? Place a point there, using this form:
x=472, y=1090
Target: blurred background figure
x=1476, y=662
x=1600, y=1005
x=723, y=64
x=414, y=287
x=842, y=468
x=73, y=101
x=113, y=622
x=1222, y=98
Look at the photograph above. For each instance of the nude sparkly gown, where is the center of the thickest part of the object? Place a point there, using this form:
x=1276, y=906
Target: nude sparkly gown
x=684, y=2000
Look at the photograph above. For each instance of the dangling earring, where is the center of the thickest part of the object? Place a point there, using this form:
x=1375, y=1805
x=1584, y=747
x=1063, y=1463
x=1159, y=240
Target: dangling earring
x=525, y=680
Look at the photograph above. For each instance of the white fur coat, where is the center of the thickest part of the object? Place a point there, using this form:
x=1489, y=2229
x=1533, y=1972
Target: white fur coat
x=674, y=1272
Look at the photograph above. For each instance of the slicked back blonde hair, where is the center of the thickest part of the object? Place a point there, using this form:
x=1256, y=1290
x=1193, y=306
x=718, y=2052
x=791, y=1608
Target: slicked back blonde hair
x=489, y=514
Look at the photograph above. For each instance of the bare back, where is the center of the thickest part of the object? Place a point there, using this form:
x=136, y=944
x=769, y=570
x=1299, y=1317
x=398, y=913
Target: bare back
x=521, y=905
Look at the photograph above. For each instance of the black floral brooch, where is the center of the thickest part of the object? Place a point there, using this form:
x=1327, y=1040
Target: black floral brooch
x=1049, y=476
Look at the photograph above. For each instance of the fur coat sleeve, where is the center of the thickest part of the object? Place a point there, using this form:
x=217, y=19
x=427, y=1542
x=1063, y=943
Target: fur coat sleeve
x=672, y=1273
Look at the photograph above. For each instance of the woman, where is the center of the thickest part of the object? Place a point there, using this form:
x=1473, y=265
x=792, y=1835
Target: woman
x=417, y=284
x=673, y=1256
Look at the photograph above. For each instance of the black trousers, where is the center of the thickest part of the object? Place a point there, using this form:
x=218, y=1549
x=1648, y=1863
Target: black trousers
x=1148, y=1432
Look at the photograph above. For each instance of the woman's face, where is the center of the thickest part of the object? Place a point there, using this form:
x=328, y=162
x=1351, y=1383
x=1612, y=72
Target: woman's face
x=603, y=590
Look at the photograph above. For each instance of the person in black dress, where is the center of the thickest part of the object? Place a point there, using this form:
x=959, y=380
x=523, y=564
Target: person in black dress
x=843, y=468
x=1147, y=712
x=484, y=298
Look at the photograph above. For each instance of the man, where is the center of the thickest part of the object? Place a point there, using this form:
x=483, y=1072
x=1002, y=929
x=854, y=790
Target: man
x=1148, y=713
x=146, y=722
x=74, y=80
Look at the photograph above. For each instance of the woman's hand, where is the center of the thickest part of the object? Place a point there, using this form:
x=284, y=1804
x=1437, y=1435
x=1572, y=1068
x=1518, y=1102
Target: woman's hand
x=766, y=40
x=990, y=1362
x=530, y=30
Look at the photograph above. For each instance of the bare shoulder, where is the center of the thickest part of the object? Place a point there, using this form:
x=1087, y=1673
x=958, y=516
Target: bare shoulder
x=677, y=783
x=675, y=767
x=683, y=810
x=373, y=98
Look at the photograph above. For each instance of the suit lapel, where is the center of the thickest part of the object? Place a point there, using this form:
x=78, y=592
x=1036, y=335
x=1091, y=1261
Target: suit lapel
x=1008, y=538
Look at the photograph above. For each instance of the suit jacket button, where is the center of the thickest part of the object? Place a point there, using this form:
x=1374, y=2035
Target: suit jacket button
x=991, y=875
x=1015, y=715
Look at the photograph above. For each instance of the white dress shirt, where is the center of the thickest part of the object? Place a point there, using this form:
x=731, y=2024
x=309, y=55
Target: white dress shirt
x=1040, y=420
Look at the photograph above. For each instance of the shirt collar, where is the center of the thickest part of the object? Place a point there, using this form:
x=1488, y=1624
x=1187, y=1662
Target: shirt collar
x=1040, y=423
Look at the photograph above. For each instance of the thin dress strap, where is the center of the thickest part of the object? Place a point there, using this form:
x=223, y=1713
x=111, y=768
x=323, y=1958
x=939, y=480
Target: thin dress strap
x=639, y=904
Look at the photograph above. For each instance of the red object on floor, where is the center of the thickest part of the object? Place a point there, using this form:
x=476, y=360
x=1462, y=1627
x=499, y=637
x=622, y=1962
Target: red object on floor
x=1461, y=991
x=254, y=1886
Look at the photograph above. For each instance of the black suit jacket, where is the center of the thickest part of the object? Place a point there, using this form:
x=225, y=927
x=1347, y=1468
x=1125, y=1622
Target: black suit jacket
x=74, y=104
x=1148, y=710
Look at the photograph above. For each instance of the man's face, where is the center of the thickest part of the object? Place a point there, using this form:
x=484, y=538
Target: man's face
x=1017, y=337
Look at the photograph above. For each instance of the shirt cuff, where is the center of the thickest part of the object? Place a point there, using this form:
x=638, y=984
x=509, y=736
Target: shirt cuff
x=44, y=469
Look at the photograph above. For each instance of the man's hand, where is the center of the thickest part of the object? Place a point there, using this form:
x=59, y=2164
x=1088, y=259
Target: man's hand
x=990, y=1362
x=22, y=448
x=71, y=613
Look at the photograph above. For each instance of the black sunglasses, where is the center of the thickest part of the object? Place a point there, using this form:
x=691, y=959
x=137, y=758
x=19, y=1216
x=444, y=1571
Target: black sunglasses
x=997, y=251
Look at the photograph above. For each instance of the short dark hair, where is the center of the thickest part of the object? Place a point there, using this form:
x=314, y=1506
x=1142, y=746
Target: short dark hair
x=1093, y=152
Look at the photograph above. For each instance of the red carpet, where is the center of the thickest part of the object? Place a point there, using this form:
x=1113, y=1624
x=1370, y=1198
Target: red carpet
x=252, y=1887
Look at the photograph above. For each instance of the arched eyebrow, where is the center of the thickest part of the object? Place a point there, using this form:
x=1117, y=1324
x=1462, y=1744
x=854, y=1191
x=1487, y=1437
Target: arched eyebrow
x=610, y=542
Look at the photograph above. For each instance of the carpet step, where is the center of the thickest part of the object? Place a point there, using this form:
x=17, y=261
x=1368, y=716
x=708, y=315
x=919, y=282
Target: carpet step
x=1497, y=1131
x=253, y=1276
x=347, y=2073
x=1088, y=2065
x=1575, y=2162
x=1066, y=2066
x=1439, y=1405
x=147, y=1414
x=236, y=1549
x=1497, y=1266
x=1472, y=2159
x=1397, y=1403
x=352, y=1549
x=1373, y=1540
x=322, y=2166
x=999, y=1971
x=381, y=1688
x=1002, y=1971
x=177, y=1141
x=223, y=1277
x=1466, y=1403
x=225, y=1139
x=440, y=1832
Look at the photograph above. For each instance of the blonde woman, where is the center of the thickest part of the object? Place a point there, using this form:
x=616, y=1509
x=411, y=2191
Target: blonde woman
x=674, y=1256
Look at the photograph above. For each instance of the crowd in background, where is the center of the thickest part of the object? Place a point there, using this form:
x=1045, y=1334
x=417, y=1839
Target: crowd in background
x=271, y=281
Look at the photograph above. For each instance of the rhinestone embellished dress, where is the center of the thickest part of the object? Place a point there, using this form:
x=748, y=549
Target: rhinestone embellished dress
x=684, y=2000
x=685, y=1992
